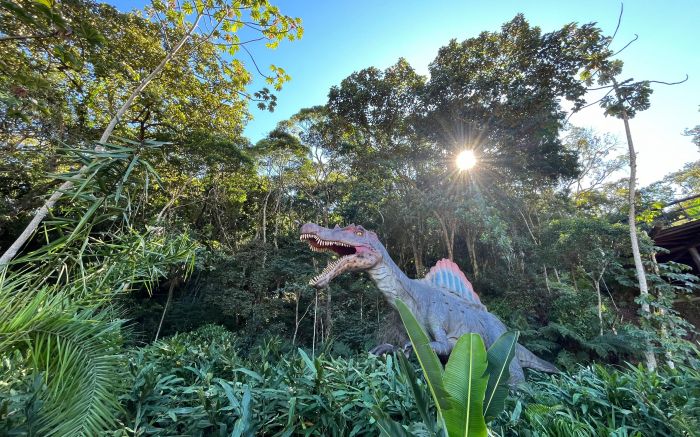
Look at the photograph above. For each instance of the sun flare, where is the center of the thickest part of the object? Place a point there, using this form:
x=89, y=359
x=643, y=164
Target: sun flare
x=466, y=160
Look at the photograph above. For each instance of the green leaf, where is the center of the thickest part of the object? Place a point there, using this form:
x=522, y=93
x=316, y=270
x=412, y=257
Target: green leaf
x=387, y=426
x=419, y=393
x=244, y=425
x=228, y=390
x=250, y=373
x=429, y=362
x=127, y=173
x=465, y=381
x=309, y=364
x=499, y=357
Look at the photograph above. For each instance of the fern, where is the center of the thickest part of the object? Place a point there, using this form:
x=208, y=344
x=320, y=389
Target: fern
x=56, y=319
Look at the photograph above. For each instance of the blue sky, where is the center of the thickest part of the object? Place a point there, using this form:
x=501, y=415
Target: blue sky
x=343, y=37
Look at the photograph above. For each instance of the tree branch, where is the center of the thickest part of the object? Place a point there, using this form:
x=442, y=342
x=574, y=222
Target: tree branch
x=40, y=36
x=668, y=83
x=252, y=58
x=44, y=210
x=636, y=37
x=619, y=21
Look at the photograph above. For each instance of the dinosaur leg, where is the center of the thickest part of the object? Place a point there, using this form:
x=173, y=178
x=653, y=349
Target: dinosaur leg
x=441, y=345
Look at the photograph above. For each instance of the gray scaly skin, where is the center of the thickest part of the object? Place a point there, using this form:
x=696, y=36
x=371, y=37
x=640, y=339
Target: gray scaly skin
x=444, y=315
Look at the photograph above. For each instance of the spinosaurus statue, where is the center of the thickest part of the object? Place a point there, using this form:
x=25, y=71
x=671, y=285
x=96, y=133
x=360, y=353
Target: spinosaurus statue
x=444, y=302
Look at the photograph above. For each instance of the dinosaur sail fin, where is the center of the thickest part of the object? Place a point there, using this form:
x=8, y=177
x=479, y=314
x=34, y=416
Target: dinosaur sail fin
x=446, y=274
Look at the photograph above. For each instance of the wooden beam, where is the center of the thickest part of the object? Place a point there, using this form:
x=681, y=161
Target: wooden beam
x=687, y=299
x=696, y=256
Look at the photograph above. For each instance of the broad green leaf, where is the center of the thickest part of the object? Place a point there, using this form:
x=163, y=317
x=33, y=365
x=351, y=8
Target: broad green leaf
x=309, y=364
x=387, y=426
x=428, y=359
x=499, y=357
x=465, y=381
x=419, y=393
x=244, y=426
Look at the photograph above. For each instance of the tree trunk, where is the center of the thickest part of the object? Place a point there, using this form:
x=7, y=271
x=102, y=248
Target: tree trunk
x=297, y=296
x=596, y=282
x=417, y=257
x=173, y=282
x=696, y=256
x=280, y=178
x=471, y=246
x=632, y=218
x=275, y=233
x=313, y=338
x=361, y=307
x=449, y=242
x=329, y=314
x=263, y=225
x=297, y=318
x=44, y=210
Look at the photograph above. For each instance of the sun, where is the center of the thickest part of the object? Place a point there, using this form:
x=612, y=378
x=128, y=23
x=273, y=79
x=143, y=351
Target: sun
x=466, y=160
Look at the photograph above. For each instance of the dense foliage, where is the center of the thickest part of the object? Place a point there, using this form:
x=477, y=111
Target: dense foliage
x=174, y=221
x=200, y=383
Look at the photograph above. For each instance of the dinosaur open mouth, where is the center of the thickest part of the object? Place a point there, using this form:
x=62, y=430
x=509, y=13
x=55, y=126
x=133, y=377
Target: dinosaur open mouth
x=319, y=245
x=344, y=251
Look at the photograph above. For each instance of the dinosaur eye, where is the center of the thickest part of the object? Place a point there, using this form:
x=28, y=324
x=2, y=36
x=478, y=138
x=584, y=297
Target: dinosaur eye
x=358, y=233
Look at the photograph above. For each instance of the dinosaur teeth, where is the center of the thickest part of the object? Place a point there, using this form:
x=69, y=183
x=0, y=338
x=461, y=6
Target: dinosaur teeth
x=329, y=268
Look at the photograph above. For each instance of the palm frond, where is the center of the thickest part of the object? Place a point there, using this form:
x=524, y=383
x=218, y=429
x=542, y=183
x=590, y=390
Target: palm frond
x=56, y=315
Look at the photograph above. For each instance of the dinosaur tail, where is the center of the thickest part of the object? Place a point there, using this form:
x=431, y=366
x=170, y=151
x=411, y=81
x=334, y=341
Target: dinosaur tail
x=532, y=361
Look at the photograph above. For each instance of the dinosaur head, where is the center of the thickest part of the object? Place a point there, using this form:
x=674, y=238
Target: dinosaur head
x=356, y=248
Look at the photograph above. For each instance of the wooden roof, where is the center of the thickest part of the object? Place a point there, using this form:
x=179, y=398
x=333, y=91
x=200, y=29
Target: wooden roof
x=678, y=240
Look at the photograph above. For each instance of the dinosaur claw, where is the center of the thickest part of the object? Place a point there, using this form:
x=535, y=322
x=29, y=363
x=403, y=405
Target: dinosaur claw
x=382, y=349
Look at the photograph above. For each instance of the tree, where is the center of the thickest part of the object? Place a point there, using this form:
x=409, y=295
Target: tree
x=324, y=169
x=57, y=321
x=212, y=26
x=623, y=100
x=595, y=163
x=590, y=244
x=695, y=134
x=281, y=154
x=499, y=94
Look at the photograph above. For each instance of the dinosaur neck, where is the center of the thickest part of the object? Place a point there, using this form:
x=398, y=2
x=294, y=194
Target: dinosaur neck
x=392, y=282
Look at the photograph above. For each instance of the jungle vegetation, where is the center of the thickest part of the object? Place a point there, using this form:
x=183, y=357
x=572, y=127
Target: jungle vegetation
x=156, y=285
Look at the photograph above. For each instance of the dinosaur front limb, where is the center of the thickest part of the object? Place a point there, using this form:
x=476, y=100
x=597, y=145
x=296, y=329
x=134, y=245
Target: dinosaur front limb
x=383, y=349
x=443, y=349
x=387, y=348
x=441, y=345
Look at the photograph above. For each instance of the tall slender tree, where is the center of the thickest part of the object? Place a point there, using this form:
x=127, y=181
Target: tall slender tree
x=623, y=99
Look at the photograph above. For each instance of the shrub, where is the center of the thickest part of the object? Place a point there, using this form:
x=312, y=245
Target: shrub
x=599, y=400
x=204, y=383
x=197, y=383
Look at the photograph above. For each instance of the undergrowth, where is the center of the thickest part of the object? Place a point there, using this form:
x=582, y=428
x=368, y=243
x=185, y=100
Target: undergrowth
x=203, y=383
